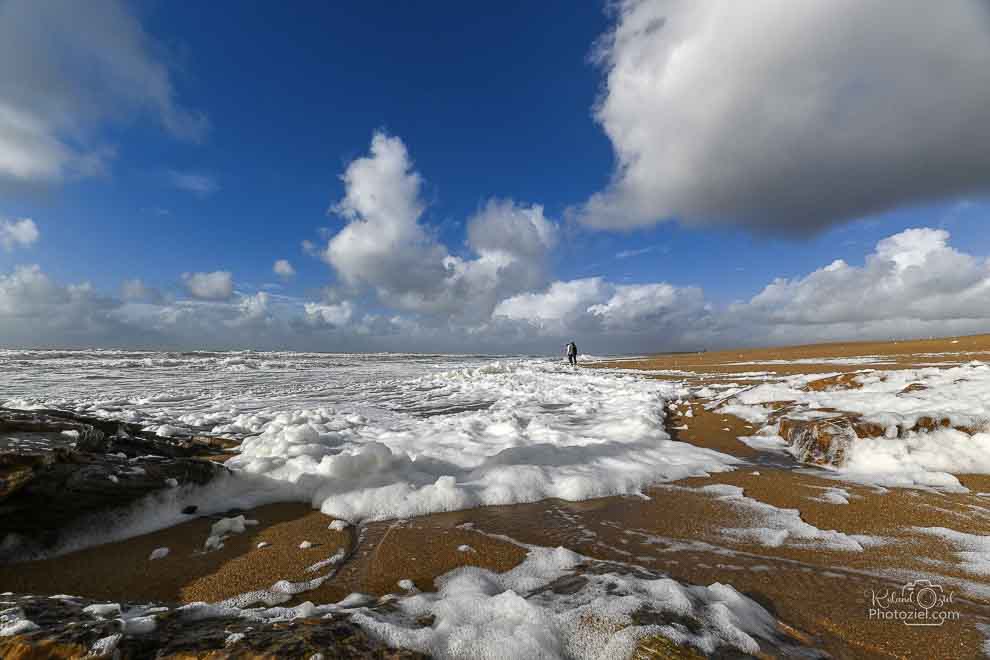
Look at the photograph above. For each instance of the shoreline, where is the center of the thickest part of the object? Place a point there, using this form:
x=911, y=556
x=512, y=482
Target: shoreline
x=811, y=582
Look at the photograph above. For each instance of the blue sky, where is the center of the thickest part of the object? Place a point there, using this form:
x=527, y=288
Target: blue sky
x=648, y=170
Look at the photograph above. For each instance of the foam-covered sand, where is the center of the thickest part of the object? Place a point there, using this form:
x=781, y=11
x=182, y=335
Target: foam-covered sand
x=437, y=436
x=701, y=493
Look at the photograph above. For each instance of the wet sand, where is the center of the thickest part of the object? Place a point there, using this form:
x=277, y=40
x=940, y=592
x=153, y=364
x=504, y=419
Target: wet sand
x=677, y=528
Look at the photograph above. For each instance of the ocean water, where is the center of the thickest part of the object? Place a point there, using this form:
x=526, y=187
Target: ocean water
x=379, y=436
x=199, y=390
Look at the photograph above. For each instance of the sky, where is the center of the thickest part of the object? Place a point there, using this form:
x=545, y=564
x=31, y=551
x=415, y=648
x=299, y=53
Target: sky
x=636, y=176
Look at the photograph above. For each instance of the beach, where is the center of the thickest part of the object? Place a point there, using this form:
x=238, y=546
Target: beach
x=667, y=469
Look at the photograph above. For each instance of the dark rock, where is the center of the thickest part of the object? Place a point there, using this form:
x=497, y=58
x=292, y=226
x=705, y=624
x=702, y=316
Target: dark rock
x=189, y=510
x=56, y=468
x=65, y=630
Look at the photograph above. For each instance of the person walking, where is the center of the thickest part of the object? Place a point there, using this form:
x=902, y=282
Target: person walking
x=572, y=353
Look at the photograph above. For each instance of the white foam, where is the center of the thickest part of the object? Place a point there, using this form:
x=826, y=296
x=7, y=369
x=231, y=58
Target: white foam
x=377, y=437
x=224, y=527
x=984, y=629
x=959, y=394
x=158, y=553
x=105, y=646
x=233, y=638
x=478, y=613
x=918, y=459
x=833, y=496
x=752, y=414
x=334, y=559
x=765, y=443
x=971, y=551
x=103, y=610
x=279, y=592
x=14, y=622
x=775, y=527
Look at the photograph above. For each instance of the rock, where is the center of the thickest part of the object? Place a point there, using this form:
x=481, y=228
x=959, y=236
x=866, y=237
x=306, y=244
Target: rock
x=824, y=441
x=66, y=631
x=819, y=441
x=659, y=647
x=56, y=468
x=838, y=382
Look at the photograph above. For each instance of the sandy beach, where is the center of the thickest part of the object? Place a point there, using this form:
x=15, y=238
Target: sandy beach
x=846, y=540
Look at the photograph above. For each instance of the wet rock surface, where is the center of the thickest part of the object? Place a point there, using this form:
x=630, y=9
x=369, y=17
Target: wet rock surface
x=66, y=627
x=818, y=441
x=56, y=467
x=825, y=441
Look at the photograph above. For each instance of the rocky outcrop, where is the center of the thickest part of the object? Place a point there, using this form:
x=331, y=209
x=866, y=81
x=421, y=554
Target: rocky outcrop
x=818, y=441
x=69, y=627
x=56, y=467
x=824, y=441
x=60, y=627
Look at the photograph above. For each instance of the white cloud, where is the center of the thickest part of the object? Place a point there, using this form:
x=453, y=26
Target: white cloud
x=913, y=284
x=501, y=227
x=254, y=308
x=311, y=248
x=35, y=310
x=64, y=74
x=608, y=313
x=335, y=315
x=913, y=281
x=626, y=254
x=218, y=285
x=787, y=115
x=137, y=291
x=557, y=308
x=654, y=308
x=17, y=233
x=384, y=246
x=196, y=183
x=283, y=269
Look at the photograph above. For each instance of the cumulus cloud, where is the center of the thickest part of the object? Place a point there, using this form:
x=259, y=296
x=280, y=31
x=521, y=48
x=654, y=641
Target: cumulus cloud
x=558, y=308
x=913, y=284
x=283, y=269
x=790, y=116
x=384, y=245
x=652, y=308
x=202, y=185
x=18, y=233
x=65, y=73
x=632, y=316
x=332, y=315
x=254, y=308
x=137, y=291
x=218, y=285
x=36, y=310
